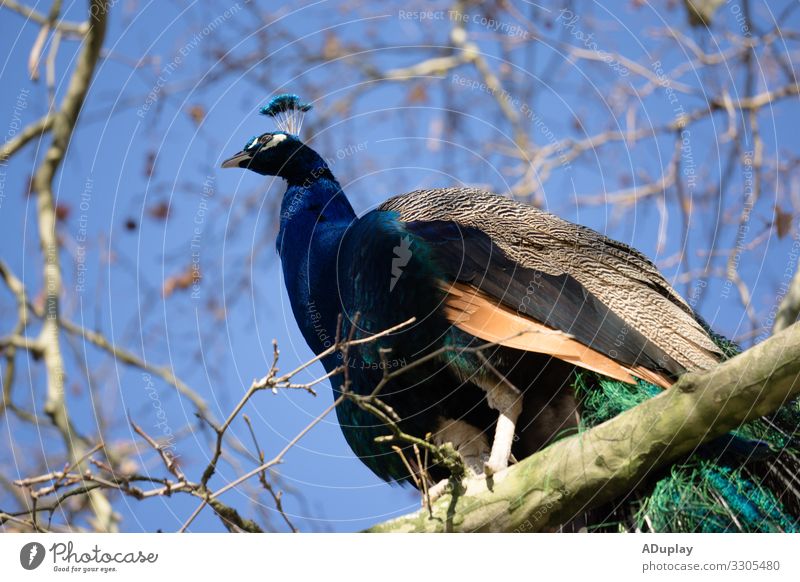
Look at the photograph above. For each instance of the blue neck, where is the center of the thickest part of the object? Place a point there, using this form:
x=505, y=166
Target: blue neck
x=314, y=216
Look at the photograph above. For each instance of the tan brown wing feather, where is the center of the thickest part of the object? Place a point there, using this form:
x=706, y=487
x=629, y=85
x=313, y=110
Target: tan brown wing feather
x=619, y=276
x=474, y=312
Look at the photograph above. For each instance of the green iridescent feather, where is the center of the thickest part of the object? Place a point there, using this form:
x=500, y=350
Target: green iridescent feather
x=725, y=487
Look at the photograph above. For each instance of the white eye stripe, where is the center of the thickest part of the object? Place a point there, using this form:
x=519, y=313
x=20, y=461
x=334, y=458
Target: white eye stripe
x=255, y=143
x=276, y=139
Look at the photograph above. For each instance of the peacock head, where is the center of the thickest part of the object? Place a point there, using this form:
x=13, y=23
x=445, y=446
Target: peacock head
x=267, y=154
x=281, y=153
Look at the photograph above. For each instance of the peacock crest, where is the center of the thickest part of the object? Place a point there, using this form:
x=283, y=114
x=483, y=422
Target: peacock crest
x=288, y=112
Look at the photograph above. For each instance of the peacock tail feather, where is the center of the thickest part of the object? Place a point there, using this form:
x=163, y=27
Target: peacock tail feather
x=746, y=481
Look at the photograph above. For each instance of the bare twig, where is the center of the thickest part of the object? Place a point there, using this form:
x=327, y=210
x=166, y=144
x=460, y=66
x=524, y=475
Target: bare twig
x=31, y=132
x=72, y=28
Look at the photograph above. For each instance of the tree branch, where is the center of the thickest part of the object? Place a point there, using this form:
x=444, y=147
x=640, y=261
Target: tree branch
x=73, y=28
x=63, y=125
x=32, y=131
x=597, y=466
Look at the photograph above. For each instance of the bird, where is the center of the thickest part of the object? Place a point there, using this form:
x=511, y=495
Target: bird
x=508, y=329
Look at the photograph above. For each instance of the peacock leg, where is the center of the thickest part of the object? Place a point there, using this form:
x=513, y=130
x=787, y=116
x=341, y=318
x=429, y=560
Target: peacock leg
x=507, y=400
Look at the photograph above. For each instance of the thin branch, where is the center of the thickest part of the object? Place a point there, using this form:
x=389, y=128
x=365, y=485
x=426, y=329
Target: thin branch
x=31, y=132
x=72, y=28
x=121, y=354
x=277, y=496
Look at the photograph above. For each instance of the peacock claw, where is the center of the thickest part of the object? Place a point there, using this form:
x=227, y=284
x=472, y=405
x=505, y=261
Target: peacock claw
x=489, y=470
x=493, y=466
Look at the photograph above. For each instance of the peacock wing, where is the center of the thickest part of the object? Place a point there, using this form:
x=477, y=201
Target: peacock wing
x=605, y=294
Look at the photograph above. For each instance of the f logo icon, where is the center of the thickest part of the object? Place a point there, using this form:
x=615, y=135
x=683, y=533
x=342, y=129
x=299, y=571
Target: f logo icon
x=31, y=555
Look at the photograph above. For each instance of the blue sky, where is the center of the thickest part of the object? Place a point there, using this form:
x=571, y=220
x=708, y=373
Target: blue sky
x=137, y=148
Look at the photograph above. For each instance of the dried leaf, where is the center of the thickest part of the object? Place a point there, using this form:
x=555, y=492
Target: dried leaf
x=159, y=211
x=197, y=114
x=417, y=94
x=783, y=222
x=38, y=301
x=332, y=48
x=181, y=281
x=62, y=212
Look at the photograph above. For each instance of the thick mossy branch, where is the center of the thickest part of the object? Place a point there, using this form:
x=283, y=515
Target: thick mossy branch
x=611, y=459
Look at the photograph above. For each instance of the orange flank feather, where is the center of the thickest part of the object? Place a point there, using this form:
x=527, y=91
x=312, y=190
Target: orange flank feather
x=478, y=314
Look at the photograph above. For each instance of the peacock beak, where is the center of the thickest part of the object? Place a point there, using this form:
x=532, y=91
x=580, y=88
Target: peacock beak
x=240, y=160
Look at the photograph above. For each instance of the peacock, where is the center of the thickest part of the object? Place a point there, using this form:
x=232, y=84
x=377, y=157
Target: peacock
x=516, y=328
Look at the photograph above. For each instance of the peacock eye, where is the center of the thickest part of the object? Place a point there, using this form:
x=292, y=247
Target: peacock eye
x=258, y=141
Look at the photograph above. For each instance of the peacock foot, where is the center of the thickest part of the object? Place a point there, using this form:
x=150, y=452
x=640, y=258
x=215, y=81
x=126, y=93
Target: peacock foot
x=503, y=438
